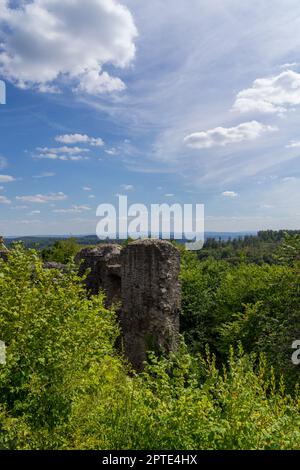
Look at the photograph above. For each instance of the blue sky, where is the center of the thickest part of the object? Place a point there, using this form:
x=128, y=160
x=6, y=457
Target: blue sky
x=190, y=101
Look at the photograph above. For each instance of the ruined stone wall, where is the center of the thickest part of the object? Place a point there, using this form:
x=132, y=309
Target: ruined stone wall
x=105, y=270
x=151, y=299
x=144, y=277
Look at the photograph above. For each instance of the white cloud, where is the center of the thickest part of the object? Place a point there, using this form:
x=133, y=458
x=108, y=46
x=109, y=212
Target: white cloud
x=222, y=136
x=230, y=194
x=79, y=138
x=112, y=151
x=95, y=83
x=44, y=175
x=127, y=187
x=91, y=196
x=275, y=94
x=19, y=208
x=289, y=178
x=45, y=40
x=293, y=144
x=87, y=188
x=42, y=198
x=169, y=195
x=66, y=150
x=34, y=212
x=4, y=200
x=289, y=65
x=6, y=179
x=62, y=153
x=72, y=210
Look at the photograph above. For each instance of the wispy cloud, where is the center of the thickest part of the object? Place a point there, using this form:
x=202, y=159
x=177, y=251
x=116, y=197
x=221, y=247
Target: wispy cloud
x=127, y=187
x=72, y=210
x=44, y=175
x=230, y=194
x=42, y=198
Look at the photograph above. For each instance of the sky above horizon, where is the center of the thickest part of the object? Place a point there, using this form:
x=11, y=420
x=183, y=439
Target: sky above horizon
x=185, y=102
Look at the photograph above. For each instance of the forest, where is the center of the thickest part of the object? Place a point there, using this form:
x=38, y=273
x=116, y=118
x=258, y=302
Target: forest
x=231, y=385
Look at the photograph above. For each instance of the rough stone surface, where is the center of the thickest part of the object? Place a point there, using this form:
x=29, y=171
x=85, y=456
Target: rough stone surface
x=144, y=277
x=105, y=270
x=151, y=299
x=53, y=265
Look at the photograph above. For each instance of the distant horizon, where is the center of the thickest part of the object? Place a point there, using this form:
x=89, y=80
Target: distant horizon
x=82, y=235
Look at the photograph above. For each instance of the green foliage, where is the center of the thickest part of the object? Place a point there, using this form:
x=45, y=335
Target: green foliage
x=289, y=250
x=65, y=387
x=258, y=306
x=200, y=282
x=58, y=341
x=186, y=403
x=62, y=251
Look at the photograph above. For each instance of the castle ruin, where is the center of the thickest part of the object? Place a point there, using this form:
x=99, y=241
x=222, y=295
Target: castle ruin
x=144, y=279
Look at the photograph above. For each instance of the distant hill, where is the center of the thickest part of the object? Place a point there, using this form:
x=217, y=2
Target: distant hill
x=41, y=242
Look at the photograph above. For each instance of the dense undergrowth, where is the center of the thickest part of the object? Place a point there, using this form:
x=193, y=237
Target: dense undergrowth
x=65, y=386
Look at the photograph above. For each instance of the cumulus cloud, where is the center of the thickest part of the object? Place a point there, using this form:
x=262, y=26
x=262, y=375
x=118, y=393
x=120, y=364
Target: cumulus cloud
x=95, y=83
x=273, y=95
x=71, y=139
x=42, y=198
x=6, y=179
x=45, y=40
x=222, y=136
x=230, y=194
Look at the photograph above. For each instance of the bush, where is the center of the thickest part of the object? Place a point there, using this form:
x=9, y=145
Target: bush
x=58, y=342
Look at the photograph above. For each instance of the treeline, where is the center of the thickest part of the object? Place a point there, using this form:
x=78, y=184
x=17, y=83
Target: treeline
x=258, y=249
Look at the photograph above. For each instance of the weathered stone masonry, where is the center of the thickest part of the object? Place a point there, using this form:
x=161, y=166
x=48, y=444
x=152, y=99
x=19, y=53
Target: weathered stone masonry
x=104, y=263
x=144, y=278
